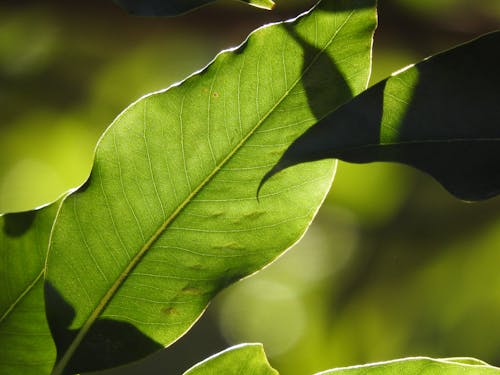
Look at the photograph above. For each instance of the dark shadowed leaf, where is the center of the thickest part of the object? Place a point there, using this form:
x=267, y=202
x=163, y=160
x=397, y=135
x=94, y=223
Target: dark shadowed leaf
x=169, y=215
x=441, y=116
x=26, y=345
x=175, y=7
x=240, y=359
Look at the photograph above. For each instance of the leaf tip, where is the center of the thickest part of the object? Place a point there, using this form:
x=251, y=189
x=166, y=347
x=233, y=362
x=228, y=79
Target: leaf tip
x=263, y=4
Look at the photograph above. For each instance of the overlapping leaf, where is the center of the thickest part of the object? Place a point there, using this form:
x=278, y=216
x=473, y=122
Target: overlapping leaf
x=26, y=345
x=441, y=116
x=175, y=7
x=240, y=359
x=169, y=215
x=251, y=359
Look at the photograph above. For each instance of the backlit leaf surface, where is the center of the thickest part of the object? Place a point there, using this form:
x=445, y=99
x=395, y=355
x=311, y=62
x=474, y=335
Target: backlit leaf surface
x=25, y=341
x=240, y=359
x=420, y=366
x=251, y=359
x=170, y=215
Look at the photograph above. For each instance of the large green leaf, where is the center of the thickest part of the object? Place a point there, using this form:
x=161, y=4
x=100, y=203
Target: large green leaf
x=25, y=341
x=175, y=7
x=420, y=366
x=169, y=215
x=441, y=116
x=239, y=359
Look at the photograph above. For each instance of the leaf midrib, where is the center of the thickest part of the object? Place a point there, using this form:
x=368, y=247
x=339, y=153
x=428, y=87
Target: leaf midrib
x=59, y=368
x=416, y=142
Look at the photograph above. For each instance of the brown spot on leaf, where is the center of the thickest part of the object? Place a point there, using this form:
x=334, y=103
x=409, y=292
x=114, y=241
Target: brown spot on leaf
x=254, y=214
x=191, y=290
x=169, y=310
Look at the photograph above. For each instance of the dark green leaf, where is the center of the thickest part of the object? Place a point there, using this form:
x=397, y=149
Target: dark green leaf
x=169, y=216
x=240, y=359
x=175, y=7
x=441, y=116
x=26, y=345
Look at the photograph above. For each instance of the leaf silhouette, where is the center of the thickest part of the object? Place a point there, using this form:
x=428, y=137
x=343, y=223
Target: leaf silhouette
x=440, y=116
x=175, y=7
x=169, y=215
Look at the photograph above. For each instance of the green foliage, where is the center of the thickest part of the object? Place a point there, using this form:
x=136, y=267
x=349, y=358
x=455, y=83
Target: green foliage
x=250, y=359
x=437, y=116
x=241, y=359
x=169, y=215
x=175, y=208
x=421, y=366
x=27, y=346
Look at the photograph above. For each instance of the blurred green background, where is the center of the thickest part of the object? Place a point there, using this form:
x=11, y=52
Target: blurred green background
x=393, y=266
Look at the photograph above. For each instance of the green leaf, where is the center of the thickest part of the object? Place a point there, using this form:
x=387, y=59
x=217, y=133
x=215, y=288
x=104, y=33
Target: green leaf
x=420, y=366
x=175, y=7
x=169, y=215
x=27, y=346
x=264, y=4
x=251, y=359
x=239, y=359
x=440, y=116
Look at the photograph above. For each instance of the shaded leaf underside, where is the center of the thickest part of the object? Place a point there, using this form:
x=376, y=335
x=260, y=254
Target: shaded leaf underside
x=440, y=116
x=175, y=7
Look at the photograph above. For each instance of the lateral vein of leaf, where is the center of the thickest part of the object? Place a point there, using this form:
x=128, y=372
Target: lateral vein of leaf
x=209, y=106
x=153, y=179
x=174, y=189
x=122, y=185
x=181, y=110
x=87, y=247
x=21, y=296
x=135, y=260
x=108, y=208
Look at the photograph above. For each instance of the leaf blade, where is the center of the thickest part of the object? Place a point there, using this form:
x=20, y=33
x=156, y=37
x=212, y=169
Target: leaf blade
x=169, y=215
x=419, y=365
x=439, y=116
x=27, y=347
x=239, y=358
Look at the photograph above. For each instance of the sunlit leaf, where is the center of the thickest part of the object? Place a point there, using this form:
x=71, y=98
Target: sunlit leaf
x=26, y=345
x=175, y=7
x=169, y=215
x=420, y=366
x=240, y=359
x=441, y=116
